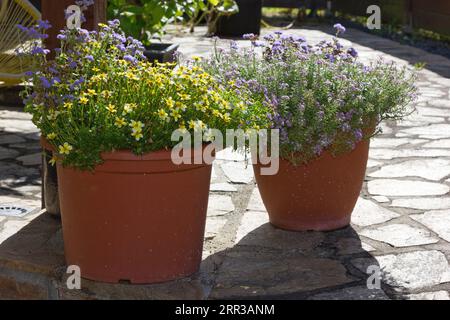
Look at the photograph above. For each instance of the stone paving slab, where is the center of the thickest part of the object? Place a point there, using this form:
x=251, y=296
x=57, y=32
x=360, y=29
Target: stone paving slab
x=400, y=225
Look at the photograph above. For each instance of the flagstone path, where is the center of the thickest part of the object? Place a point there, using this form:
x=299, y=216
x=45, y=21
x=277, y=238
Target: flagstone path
x=401, y=223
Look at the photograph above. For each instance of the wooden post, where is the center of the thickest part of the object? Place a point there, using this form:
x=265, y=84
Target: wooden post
x=408, y=16
x=54, y=12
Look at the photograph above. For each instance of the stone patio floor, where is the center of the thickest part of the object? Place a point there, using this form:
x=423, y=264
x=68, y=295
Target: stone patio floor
x=401, y=222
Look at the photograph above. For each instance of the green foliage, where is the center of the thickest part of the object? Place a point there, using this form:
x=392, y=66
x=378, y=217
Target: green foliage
x=212, y=10
x=321, y=97
x=142, y=19
x=100, y=95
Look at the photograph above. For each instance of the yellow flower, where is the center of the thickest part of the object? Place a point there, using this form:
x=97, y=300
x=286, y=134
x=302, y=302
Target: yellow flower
x=84, y=100
x=184, y=96
x=129, y=107
x=111, y=108
x=120, y=122
x=106, y=94
x=137, y=135
x=175, y=115
x=95, y=69
x=196, y=125
x=196, y=58
x=132, y=76
x=182, y=127
x=68, y=105
x=162, y=114
x=225, y=105
x=136, y=126
x=181, y=106
x=201, y=124
x=51, y=136
x=53, y=160
x=226, y=117
x=192, y=124
x=65, y=148
x=170, y=103
x=91, y=92
x=202, y=105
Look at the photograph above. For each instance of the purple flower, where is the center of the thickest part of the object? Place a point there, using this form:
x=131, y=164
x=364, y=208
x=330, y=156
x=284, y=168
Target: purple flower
x=114, y=23
x=32, y=32
x=39, y=50
x=45, y=83
x=345, y=127
x=53, y=70
x=84, y=4
x=248, y=36
x=44, y=24
x=339, y=28
x=358, y=135
x=119, y=37
x=22, y=28
x=330, y=57
x=286, y=37
x=300, y=39
x=258, y=44
x=89, y=58
x=318, y=149
x=77, y=83
x=130, y=58
x=234, y=45
x=352, y=52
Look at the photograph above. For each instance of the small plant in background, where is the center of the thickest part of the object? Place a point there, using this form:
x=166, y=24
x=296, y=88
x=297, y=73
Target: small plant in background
x=144, y=19
x=320, y=97
x=212, y=10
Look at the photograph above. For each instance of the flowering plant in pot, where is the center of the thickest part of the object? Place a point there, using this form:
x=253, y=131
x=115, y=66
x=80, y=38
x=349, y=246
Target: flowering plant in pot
x=326, y=105
x=128, y=211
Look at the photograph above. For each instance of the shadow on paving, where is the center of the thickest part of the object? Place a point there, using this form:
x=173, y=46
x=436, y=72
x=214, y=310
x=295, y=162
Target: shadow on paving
x=267, y=263
x=16, y=149
x=270, y=263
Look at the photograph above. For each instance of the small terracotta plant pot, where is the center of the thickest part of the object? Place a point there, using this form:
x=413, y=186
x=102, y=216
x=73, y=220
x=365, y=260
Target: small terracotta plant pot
x=319, y=196
x=139, y=219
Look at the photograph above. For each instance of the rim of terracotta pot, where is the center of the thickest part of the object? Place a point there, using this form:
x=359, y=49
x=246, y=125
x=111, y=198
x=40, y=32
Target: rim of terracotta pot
x=128, y=155
x=368, y=130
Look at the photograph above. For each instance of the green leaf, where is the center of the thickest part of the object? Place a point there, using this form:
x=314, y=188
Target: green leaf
x=214, y=2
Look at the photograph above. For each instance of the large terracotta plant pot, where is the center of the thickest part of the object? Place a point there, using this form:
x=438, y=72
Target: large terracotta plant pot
x=139, y=219
x=320, y=195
